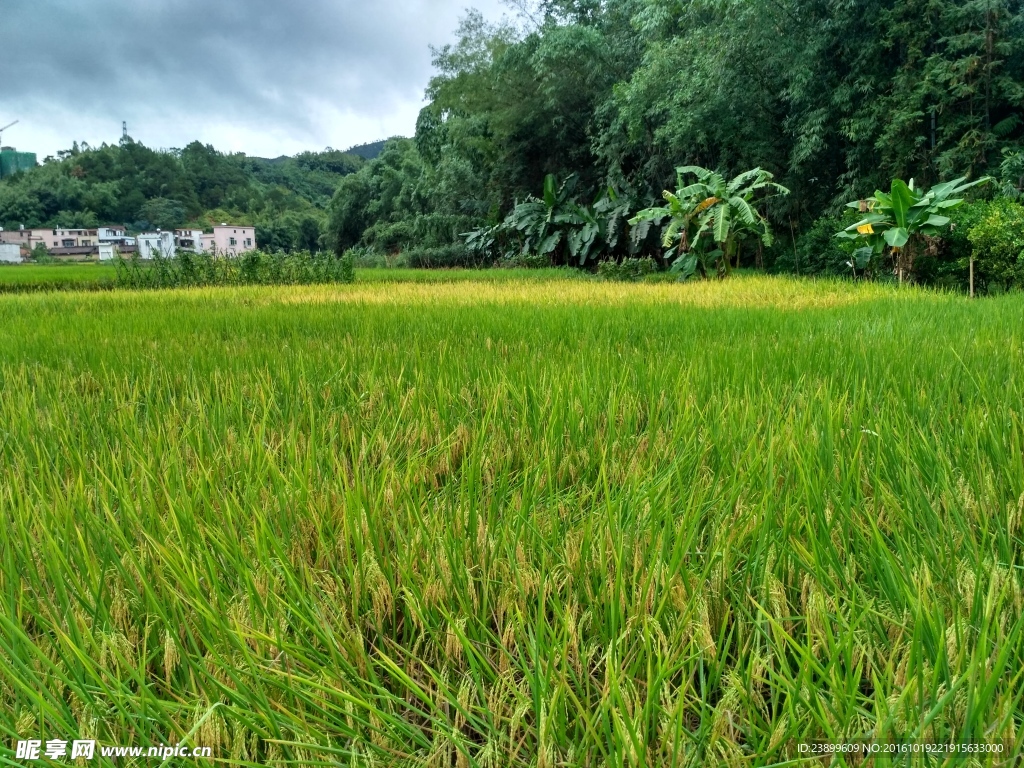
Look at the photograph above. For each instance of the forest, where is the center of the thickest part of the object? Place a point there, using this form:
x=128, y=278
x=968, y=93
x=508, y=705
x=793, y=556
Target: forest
x=606, y=99
x=130, y=184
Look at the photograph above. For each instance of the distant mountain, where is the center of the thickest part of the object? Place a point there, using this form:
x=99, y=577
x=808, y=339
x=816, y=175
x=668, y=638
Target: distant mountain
x=368, y=151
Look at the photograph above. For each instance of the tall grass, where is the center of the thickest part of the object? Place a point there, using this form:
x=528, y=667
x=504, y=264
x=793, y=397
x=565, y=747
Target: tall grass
x=187, y=269
x=518, y=524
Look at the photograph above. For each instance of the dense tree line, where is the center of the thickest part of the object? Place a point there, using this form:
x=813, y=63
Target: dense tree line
x=833, y=97
x=133, y=185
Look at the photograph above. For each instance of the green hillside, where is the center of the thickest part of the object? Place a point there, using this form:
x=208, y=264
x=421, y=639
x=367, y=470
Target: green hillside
x=131, y=184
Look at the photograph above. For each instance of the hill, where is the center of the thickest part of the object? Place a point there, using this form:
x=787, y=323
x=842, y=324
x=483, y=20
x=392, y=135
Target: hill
x=130, y=184
x=368, y=151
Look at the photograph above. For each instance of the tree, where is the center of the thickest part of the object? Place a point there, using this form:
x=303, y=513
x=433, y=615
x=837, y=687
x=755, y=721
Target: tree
x=709, y=218
x=902, y=220
x=162, y=213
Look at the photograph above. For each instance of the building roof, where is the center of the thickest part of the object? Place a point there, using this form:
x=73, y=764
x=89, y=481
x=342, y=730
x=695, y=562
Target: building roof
x=78, y=250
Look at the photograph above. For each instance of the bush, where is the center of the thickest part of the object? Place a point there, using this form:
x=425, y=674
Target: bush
x=997, y=245
x=40, y=255
x=252, y=268
x=524, y=261
x=818, y=251
x=628, y=270
x=948, y=268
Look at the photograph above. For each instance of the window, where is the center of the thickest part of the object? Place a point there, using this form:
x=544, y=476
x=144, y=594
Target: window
x=233, y=241
x=248, y=242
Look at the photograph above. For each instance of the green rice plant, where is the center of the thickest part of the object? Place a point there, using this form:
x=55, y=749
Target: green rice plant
x=523, y=522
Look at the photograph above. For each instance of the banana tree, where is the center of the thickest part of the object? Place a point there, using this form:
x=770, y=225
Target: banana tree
x=541, y=223
x=901, y=220
x=709, y=218
x=557, y=227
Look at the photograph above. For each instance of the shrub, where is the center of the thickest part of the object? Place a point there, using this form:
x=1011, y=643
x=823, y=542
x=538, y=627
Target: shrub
x=40, y=255
x=627, y=270
x=997, y=245
x=524, y=261
x=949, y=268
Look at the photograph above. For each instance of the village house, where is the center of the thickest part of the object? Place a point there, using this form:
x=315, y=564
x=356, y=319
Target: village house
x=225, y=240
x=114, y=234
x=189, y=240
x=151, y=244
x=22, y=237
x=232, y=240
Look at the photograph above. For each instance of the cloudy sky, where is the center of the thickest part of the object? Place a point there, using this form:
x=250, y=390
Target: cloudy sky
x=265, y=77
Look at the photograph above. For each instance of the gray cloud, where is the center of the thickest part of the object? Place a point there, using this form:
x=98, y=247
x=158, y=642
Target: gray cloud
x=262, y=76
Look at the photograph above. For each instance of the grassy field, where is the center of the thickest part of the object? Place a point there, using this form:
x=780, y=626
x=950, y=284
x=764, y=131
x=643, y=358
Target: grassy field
x=522, y=523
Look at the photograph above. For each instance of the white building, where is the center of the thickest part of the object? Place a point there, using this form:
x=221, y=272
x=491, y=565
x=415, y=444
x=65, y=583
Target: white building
x=115, y=235
x=10, y=253
x=189, y=240
x=151, y=244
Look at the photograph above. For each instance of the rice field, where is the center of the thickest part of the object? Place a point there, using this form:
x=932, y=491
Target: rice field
x=27, y=278
x=19, y=278
x=529, y=522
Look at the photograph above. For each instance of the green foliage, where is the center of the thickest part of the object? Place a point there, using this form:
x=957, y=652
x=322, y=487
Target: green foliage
x=627, y=270
x=523, y=261
x=833, y=99
x=556, y=227
x=40, y=255
x=161, y=213
x=188, y=269
x=1011, y=173
x=997, y=242
x=900, y=221
x=709, y=218
x=398, y=202
x=286, y=199
x=447, y=256
x=817, y=251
